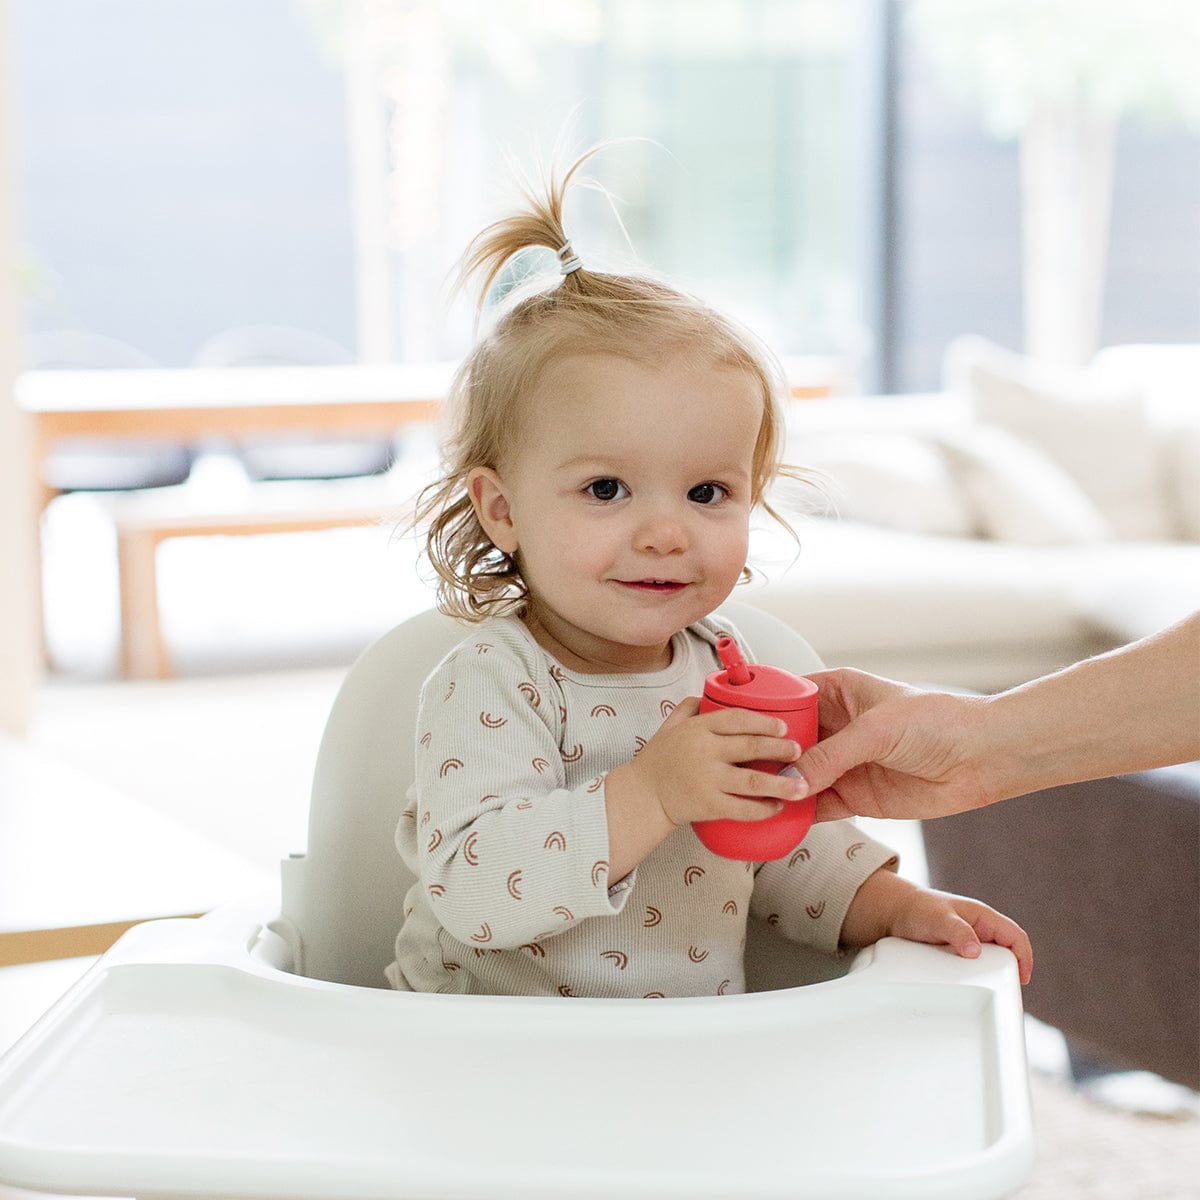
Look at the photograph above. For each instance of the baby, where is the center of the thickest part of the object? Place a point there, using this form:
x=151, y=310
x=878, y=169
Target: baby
x=612, y=438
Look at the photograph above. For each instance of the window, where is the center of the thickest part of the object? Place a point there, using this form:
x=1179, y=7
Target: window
x=187, y=167
x=198, y=165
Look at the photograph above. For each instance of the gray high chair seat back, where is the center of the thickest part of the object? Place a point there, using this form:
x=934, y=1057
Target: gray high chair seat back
x=343, y=900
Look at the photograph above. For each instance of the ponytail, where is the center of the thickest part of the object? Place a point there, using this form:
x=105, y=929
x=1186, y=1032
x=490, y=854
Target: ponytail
x=540, y=225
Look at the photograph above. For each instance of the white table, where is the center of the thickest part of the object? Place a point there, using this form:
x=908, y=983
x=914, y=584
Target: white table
x=190, y=406
x=80, y=863
x=186, y=405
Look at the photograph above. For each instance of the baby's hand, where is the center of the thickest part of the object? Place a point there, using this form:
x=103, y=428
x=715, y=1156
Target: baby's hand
x=690, y=765
x=960, y=923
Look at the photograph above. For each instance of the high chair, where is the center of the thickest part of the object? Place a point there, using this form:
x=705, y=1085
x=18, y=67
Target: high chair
x=256, y=1052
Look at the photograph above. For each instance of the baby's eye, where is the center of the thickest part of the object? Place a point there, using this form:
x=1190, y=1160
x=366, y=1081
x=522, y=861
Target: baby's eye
x=607, y=489
x=707, y=493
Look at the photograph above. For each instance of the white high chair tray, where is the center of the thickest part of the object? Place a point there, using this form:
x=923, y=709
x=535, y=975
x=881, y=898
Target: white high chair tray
x=166, y=1073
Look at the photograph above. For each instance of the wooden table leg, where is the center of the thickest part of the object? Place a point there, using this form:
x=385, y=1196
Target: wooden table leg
x=43, y=493
x=143, y=655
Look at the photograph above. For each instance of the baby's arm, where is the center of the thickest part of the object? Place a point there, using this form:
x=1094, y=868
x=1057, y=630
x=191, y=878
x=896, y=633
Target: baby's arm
x=886, y=904
x=806, y=895
x=505, y=851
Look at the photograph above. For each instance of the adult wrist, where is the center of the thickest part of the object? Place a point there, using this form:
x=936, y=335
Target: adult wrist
x=1007, y=750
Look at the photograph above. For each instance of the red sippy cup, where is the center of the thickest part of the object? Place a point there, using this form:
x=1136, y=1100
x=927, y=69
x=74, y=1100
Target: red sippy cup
x=779, y=692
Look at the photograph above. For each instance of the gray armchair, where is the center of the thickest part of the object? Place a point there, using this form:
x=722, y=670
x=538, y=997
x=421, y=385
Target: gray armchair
x=1105, y=877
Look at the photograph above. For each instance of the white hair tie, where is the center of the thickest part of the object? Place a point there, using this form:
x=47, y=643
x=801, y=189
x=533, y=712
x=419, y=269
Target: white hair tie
x=568, y=260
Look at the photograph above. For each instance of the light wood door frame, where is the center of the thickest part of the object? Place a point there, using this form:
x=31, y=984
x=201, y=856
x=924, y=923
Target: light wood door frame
x=20, y=586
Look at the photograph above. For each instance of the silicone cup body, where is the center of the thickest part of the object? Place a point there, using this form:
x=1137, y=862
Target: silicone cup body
x=785, y=695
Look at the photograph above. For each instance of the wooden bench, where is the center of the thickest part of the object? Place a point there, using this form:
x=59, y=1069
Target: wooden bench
x=144, y=521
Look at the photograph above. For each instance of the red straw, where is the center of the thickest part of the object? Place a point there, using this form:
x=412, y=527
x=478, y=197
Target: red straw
x=731, y=659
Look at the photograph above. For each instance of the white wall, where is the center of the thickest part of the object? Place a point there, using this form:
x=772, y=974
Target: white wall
x=20, y=652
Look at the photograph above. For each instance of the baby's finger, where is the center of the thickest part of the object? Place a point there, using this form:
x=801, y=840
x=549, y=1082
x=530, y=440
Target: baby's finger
x=743, y=781
x=959, y=934
x=739, y=808
x=730, y=722
x=994, y=927
x=747, y=748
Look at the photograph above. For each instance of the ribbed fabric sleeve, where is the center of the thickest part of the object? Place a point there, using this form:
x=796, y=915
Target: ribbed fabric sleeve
x=508, y=849
x=806, y=895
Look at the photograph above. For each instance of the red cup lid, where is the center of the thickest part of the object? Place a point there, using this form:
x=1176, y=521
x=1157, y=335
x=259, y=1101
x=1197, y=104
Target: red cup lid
x=771, y=689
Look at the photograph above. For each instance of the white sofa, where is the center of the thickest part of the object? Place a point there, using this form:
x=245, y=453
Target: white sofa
x=1017, y=521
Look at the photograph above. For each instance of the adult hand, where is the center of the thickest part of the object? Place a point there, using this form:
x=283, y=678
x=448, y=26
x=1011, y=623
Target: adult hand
x=890, y=750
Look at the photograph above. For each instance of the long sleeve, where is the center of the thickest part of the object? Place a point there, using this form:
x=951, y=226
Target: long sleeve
x=506, y=851
x=806, y=895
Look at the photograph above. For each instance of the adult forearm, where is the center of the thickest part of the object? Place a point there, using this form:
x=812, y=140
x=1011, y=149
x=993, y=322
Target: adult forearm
x=1131, y=709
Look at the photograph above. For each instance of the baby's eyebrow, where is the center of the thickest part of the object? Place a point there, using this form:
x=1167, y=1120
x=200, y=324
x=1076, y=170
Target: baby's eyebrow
x=586, y=460
x=593, y=462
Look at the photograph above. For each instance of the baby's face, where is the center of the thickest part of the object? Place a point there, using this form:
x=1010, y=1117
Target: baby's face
x=629, y=504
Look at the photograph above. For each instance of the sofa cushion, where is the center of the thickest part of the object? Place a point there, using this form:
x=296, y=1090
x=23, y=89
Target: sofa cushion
x=1183, y=457
x=1169, y=377
x=952, y=611
x=1101, y=436
x=1017, y=493
x=898, y=480
x=1133, y=589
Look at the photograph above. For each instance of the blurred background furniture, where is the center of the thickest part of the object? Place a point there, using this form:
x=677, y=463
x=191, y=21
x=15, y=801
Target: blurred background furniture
x=1105, y=878
x=100, y=464
x=1015, y=522
x=300, y=455
x=195, y=407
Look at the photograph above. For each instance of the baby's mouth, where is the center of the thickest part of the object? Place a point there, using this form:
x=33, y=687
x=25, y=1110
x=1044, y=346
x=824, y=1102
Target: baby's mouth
x=653, y=585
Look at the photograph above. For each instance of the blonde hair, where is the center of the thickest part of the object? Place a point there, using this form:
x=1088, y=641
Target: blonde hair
x=584, y=312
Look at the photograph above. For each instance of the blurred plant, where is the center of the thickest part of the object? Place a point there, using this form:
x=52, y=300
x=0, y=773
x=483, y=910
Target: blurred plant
x=1060, y=74
x=34, y=280
x=41, y=289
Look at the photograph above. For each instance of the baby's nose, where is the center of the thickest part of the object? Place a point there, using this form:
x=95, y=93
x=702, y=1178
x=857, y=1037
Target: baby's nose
x=662, y=533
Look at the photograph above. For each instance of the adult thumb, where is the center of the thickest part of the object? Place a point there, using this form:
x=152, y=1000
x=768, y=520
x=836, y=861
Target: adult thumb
x=825, y=763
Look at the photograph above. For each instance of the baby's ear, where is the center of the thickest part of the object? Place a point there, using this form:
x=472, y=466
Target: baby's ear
x=488, y=498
